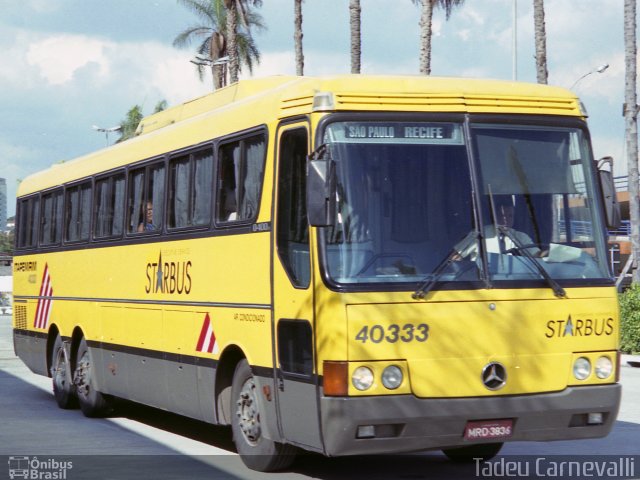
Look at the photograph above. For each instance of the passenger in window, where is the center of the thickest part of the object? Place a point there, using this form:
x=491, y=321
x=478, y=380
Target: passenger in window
x=147, y=223
x=229, y=206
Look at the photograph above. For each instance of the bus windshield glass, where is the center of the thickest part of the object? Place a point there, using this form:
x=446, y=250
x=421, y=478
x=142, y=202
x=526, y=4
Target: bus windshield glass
x=403, y=201
x=405, y=204
x=538, y=198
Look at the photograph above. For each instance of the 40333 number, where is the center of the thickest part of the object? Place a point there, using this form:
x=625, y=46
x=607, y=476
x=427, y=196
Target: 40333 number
x=394, y=333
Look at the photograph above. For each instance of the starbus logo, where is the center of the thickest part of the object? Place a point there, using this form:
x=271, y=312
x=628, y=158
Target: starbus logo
x=579, y=327
x=36, y=469
x=168, y=277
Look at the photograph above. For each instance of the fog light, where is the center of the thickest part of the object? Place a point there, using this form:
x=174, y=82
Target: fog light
x=595, y=419
x=581, y=368
x=362, y=378
x=392, y=377
x=604, y=367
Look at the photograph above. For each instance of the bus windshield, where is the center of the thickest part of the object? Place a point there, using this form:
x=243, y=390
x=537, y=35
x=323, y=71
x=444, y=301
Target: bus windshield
x=405, y=204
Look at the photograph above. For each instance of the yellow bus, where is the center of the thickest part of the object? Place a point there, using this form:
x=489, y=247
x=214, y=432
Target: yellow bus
x=344, y=265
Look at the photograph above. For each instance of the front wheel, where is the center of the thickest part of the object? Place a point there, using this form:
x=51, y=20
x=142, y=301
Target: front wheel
x=256, y=451
x=484, y=451
x=63, y=388
x=92, y=402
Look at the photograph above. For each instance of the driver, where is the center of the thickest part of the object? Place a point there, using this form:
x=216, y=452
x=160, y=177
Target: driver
x=498, y=242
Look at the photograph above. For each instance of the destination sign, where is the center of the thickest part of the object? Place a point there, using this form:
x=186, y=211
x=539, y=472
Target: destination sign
x=419, y=132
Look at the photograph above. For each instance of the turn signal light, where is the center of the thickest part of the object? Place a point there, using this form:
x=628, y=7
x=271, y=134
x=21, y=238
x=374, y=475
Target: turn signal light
x=335, y=377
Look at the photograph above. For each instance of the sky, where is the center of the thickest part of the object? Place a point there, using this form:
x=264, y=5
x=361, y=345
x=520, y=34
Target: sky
x=67, y=65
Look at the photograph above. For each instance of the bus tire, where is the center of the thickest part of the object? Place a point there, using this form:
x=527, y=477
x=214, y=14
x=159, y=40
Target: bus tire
x=484, y=451
x=92, y=402
x=256, y=451
x=61, y=377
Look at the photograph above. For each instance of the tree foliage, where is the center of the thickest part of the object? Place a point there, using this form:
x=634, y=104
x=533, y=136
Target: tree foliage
x=6, y=241
x=212, y=41
x=130, y=123
x=134, y=116
x=630, y=320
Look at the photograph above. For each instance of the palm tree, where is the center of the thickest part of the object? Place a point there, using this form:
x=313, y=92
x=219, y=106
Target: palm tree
x=297, y=36
x=237, y=10
x=541, y=41
x=212, y=35
x=354, y=19
x=631, y=128
x=426, y=19
x=129, y=125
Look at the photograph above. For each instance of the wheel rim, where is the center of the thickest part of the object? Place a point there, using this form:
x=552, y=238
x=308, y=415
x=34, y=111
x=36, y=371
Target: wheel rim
x=82, y=375
x=59, y=371
x=247, y=412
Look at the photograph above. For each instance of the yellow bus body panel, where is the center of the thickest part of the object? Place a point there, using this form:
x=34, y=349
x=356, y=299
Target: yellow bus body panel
x=466, y=334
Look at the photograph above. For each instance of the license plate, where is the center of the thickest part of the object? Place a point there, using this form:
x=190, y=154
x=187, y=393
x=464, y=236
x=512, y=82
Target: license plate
x=484, y=429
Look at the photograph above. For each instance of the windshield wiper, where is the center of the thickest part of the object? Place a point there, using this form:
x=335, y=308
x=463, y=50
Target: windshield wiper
x=427, y=285
x=558, y=291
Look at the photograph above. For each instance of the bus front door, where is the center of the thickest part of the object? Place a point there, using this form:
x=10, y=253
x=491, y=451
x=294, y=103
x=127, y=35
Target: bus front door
x=295, y=371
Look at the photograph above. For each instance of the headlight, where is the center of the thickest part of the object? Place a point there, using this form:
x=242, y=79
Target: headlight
x=581, y=368
x=392, y=377
x=362, y=378
x=604, y=367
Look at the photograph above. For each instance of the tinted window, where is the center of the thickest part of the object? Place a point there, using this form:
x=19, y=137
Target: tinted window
x=146, y=199
x=28, y=222
x=78, y=212
x=109, y=206
x=51, y=221
x=241, y=165
x=190, y=186
x=292, y=228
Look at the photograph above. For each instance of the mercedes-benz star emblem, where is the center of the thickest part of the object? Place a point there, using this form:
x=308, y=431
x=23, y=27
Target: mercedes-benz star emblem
x=494, y=376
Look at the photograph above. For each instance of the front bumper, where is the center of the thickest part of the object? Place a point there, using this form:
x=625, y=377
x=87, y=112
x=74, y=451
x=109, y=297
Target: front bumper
x=406, y=423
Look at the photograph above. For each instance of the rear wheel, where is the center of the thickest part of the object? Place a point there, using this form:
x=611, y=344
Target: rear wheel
x=63, y=388
x=256, y=451
x=484, y=451
x=92, y=402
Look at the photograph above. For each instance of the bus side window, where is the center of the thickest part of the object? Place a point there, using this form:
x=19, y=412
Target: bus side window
x=109, y=206
x=179, y=176
x=190, y=187
x=146, y=199
x=28, y=225
x=293, y=228
x=78, y=212
x=51, y=224
x=240, y=171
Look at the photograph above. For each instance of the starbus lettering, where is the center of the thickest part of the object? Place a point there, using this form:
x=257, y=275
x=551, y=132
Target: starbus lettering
x=25, y=266
x=168, y=277
x=579, y=327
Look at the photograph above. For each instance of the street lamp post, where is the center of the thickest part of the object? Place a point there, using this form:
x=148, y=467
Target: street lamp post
x=600, y=69
x=107, y=131
x=205, y=61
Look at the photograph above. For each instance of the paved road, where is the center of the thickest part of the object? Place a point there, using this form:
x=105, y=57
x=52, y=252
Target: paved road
x=145, y=443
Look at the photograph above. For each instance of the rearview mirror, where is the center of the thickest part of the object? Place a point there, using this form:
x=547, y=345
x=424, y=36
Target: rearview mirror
x=321, y=188
x=608, y=191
